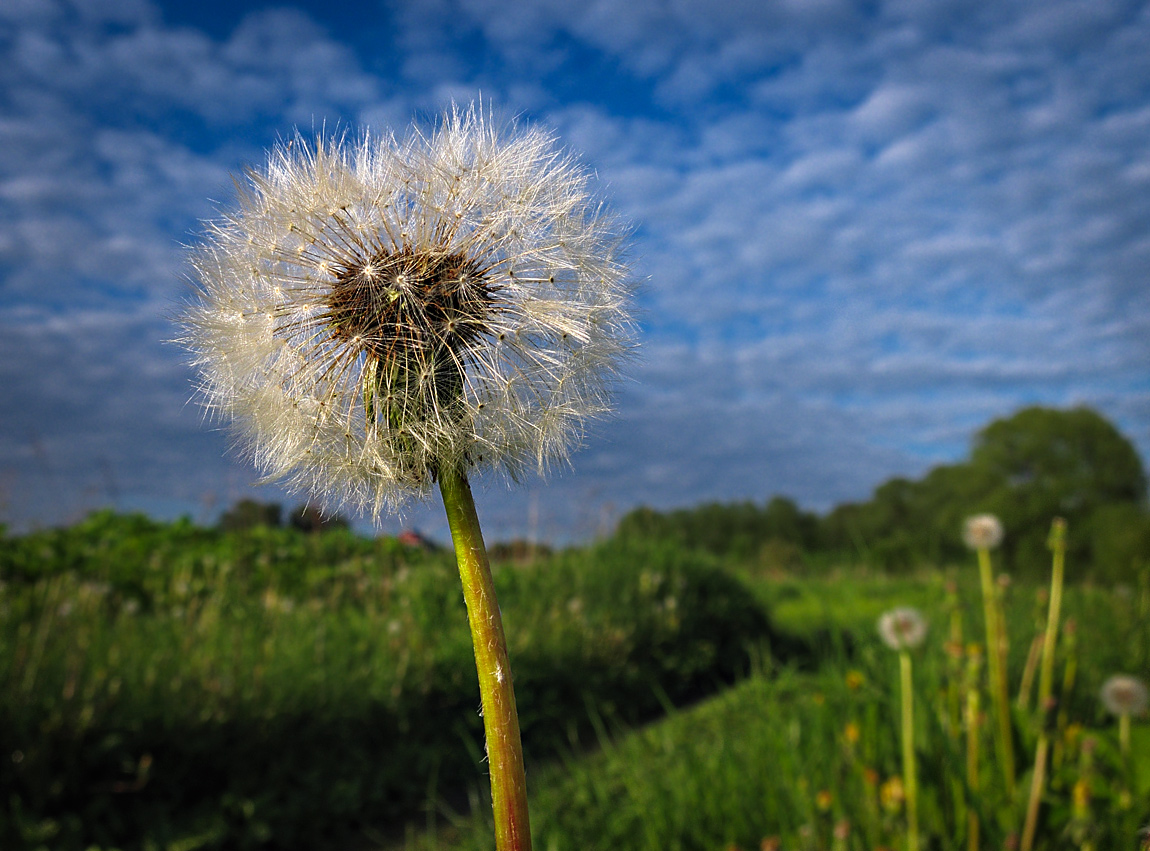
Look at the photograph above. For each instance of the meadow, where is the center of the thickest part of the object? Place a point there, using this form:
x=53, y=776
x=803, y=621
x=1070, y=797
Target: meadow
x=172, y=687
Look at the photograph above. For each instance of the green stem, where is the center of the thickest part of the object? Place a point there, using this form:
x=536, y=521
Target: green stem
x=1046, y=681
x=500, y=719
x=910, y=774
x=1036, y=784
x=1046, y=678
x=972, y=740
x=1003, y=738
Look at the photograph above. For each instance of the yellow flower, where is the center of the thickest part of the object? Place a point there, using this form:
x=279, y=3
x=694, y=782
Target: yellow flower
x=892, y=794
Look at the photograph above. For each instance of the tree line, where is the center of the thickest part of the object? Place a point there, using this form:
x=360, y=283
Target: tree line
x=1028, y=468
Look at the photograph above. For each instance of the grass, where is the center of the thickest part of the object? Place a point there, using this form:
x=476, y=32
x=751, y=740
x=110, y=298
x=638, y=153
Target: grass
x=222, y=697
x=809, y=759
x=166, y=687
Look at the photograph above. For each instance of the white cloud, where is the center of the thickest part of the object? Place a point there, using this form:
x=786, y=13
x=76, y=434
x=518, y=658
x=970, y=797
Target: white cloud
x=864, y=234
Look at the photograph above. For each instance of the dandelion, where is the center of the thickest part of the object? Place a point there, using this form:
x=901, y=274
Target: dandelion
x=982, y=533
x=378, y=311
x=1124, y=696
x=902, y=630
x=382, y=315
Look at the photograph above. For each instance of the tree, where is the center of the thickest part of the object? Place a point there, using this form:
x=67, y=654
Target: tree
x=309, y=518
x=248, y=514
x=1043, y=463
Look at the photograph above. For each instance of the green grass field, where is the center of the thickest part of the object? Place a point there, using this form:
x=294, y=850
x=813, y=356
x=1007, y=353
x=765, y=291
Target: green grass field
x=167, y=687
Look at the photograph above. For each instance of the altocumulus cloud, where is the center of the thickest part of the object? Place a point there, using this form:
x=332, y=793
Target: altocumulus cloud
x=865, y=233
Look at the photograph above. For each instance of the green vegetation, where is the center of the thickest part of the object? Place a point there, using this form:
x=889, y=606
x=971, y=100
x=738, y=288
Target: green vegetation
x=810, y=760
x=168, y=686
x=165, y=686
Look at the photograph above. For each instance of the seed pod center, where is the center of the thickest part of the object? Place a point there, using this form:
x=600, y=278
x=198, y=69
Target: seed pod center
x=408, y=309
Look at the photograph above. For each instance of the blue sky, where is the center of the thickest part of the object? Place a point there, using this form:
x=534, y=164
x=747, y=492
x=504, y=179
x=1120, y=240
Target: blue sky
x=864, y=229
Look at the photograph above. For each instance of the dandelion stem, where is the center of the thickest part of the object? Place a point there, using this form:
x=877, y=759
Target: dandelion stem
x=1003, y=737
x=1046, y=681
x=909, y=771
x=972, y=740
x=497, y=697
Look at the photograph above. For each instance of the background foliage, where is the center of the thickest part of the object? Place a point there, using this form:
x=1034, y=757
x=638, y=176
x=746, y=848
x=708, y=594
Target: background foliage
x=1037, y=464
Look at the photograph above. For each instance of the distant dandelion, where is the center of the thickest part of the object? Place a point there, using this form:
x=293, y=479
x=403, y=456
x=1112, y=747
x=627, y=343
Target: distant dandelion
x=1124, y=695
x=903, y=628
x=982, y=532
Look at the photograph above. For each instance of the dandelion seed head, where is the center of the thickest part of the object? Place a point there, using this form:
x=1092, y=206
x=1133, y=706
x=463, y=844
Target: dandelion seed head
x=903, y=628
x=982, y=532
x=378, y=309
x=1124, y=695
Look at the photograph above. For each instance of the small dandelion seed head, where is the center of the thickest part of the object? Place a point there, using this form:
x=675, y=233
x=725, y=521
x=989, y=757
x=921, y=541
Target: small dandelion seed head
x=903, y=628
x=397, y=340
x=982, y=532
x=1124, y=695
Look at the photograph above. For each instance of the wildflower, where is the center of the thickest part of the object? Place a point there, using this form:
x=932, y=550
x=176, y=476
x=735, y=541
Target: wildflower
x=891, y=794
x=855, y=680
x=823, y=800
x=1081, y=796
x=1124, y=695
x=379, y=310
x=982, y=532
x=902, y=628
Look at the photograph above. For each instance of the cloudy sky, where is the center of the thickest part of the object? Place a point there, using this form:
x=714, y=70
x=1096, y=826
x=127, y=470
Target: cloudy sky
x=864, y=229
